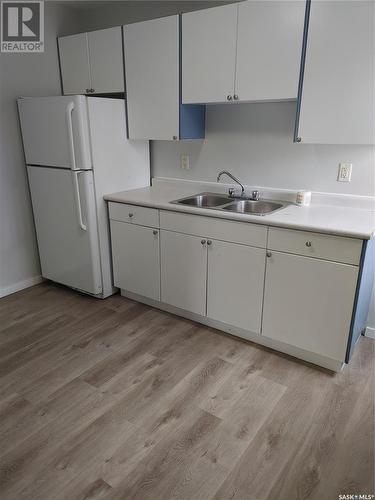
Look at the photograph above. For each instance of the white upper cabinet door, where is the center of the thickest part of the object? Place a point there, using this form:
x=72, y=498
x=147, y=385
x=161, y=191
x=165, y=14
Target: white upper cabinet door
x=74, y=62
x=106, y=61
x=235, y=284
x=183, y=271
x=269, y=50
x=136, y=261
x=209, y=54
x=152, y=78
x=308, y=303
x=338, y=102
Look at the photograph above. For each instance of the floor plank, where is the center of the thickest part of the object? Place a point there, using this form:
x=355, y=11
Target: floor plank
x=109, y=400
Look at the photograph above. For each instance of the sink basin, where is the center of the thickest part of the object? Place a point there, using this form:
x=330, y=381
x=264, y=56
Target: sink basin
x=224, y=203
x=255, y=207
x=204, y=200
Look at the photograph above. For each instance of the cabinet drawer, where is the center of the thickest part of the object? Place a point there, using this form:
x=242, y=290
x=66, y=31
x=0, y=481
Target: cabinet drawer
x=218, y=229
x=321, y=246
x=142, y=216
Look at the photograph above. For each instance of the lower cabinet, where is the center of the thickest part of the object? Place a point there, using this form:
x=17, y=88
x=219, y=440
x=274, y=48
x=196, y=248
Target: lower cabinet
x=183, y=271
x=299, y=292
x=136, y=258
x=308, y=303
x=235, y=284
x=223, y=281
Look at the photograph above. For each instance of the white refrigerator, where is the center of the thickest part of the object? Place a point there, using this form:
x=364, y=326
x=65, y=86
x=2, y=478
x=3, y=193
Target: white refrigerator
x=76, y=151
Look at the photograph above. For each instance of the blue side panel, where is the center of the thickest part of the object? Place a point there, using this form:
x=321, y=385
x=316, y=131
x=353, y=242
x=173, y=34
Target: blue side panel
x=363, y=295
x=192, y=121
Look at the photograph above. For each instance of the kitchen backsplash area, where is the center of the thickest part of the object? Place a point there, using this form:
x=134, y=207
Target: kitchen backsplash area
x=255, y=142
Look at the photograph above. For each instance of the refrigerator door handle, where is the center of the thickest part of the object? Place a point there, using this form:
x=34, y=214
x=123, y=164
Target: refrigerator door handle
x=69, y=121
x=77, y=196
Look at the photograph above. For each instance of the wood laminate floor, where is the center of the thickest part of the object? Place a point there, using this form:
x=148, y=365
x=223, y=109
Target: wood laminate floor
x=115, y=400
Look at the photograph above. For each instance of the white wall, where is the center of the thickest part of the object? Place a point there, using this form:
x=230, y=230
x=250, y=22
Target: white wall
x=23, y=74
x=255, y=142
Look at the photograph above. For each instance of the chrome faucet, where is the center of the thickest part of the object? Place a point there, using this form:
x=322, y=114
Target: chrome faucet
x=231, y=191
x=255, y=195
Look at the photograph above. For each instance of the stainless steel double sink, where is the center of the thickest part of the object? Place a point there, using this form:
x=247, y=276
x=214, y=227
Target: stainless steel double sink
x=225, y=203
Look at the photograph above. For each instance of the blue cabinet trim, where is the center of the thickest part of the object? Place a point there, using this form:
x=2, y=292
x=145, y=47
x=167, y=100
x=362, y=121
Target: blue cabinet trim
x=192, y=121
x=302, y=68
x=363, y=295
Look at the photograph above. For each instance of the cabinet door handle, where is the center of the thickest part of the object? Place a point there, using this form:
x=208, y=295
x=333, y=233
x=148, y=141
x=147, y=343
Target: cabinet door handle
x=88, y=91
x=209, y=242
x=203, y=242
x=229, y=97
x=235, y=97
x=155, y=232
x=131, y=215
x=269, y=254
x=308, y=244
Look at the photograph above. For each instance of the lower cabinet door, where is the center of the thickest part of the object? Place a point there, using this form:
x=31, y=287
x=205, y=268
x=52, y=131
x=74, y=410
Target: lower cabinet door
x=308, y=303
x=184, y=271
x=235, y=284
x=136, y=258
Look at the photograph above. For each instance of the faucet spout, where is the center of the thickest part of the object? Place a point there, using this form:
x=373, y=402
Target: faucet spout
x=228, y=174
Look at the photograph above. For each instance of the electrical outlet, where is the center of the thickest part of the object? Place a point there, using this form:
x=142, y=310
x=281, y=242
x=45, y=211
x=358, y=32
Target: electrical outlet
x=345, y=172
x=185, y=162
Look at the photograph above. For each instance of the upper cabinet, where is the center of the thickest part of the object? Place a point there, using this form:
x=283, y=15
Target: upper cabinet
x=92, y=63
x=151, y=59
x=320, y=53
x=152, y=62
x=269, y=50
x=249, y=51
x=106, y=60
x=337, y=100
x=74, y=64
x=209, y=54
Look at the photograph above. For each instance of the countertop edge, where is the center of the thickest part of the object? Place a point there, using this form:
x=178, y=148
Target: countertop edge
x=254, y=219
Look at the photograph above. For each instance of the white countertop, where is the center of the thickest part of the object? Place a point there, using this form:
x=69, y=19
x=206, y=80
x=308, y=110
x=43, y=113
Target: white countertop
x=323, y=218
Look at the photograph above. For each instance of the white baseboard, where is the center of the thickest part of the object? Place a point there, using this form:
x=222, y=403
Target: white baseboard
x=21, y=285
x=370, y=332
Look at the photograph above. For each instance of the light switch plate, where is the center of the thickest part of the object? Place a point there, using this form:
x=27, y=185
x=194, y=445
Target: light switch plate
x=185, y=162
x=345, y=172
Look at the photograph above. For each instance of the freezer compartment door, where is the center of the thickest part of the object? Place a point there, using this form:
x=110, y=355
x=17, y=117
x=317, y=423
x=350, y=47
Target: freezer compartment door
x=66, y=226
x=55, y=131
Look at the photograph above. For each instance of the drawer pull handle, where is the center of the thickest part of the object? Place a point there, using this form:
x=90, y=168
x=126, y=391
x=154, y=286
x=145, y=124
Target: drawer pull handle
x=154, y=232
x=308, y=244
x=131, y=215
x=203, y=242
x=209, y=242
x=269, y=254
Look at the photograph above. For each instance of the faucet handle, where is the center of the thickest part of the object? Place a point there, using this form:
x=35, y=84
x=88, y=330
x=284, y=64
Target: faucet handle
x=255, y=195
x=231, y=192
